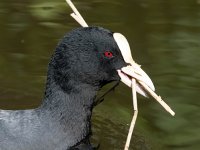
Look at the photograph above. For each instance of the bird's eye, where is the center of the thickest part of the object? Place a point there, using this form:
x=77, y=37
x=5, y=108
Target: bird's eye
x=108, y=54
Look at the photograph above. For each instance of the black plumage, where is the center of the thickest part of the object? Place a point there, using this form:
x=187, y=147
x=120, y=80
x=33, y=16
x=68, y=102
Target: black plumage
x=77, y=70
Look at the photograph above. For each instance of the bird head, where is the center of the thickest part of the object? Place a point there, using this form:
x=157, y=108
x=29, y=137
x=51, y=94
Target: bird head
x=96, y=56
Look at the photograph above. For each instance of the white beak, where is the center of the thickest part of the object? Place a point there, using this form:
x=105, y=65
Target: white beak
x=133, y=70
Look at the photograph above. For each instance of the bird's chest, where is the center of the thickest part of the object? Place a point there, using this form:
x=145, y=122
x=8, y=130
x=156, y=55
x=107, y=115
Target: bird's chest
x=67, y=130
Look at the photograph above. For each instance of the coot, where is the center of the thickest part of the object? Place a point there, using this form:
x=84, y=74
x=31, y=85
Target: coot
x=84, y=60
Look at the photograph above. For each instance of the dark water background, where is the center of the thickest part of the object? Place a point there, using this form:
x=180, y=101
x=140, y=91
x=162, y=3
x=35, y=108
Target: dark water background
x=165, y=39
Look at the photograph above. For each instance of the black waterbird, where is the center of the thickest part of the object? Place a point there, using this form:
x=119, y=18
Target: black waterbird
x=84, y=60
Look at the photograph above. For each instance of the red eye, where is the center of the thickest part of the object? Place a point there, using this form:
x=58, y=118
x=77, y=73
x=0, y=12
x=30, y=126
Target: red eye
x=108, y=54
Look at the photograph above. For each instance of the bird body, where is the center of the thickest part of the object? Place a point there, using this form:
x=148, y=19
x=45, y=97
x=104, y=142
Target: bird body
x=63, y=119
x=54, y=127
x=83, y=62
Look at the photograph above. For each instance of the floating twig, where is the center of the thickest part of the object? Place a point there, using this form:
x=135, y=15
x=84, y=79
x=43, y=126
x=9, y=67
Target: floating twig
x=76, y=15
x=158, y=98
x=132, y=125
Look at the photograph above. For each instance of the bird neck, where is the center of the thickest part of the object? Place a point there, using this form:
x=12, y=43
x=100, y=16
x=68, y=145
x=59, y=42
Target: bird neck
x=70, y=110
x=80, y=95
x=68, y=93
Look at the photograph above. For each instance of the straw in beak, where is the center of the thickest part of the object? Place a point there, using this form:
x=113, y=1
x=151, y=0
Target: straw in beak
x=133, y=70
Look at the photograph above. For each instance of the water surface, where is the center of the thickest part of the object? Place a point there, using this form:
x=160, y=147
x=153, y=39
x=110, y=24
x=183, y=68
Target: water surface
x=165, y=40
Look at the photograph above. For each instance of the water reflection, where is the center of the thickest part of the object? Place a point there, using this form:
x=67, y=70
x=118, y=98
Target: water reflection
x=164, y=36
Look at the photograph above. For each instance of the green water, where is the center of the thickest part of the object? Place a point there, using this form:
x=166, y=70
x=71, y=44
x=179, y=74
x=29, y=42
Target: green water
x=165, y=40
